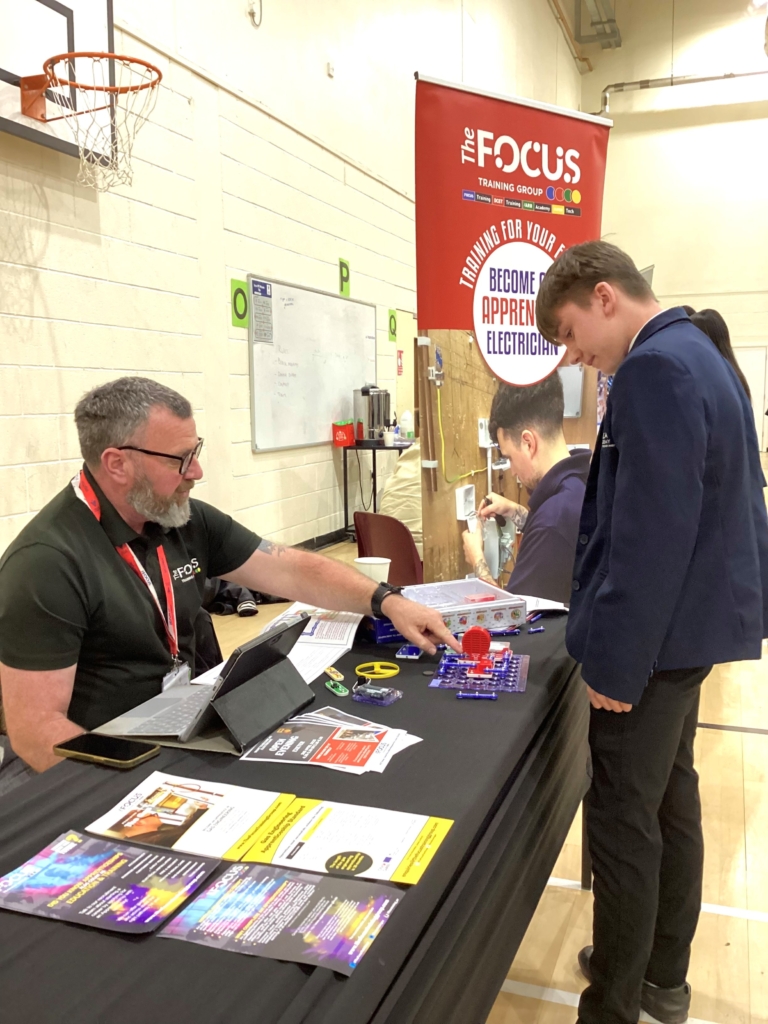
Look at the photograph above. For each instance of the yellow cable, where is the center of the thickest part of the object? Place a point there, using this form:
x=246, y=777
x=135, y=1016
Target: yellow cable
x=455, y=479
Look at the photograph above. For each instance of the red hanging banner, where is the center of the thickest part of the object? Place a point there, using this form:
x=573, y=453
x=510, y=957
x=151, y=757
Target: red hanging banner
x=503, y=186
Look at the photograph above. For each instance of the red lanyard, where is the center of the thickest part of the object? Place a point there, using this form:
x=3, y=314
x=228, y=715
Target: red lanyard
x=86, y=493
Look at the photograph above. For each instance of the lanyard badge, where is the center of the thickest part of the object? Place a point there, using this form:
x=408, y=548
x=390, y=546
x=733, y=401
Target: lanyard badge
x=86, y=493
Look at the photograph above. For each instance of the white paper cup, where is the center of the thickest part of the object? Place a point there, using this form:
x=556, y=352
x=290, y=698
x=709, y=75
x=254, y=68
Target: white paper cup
x=376, y=569
x=389, y=438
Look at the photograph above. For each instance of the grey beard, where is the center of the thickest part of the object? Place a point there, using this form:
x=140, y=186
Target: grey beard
x=164, y=511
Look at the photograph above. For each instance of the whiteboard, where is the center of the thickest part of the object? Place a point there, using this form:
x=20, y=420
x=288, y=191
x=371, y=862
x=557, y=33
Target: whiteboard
x=309, y=350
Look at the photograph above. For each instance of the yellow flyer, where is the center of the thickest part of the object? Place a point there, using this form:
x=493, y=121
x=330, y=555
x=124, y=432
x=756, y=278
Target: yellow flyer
x=350, y=841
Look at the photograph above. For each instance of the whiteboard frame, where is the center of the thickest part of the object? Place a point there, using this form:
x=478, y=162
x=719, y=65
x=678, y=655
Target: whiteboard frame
x=319, y=291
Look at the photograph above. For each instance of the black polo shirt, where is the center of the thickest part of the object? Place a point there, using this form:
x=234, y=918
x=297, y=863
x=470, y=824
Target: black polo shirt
x=66, y=596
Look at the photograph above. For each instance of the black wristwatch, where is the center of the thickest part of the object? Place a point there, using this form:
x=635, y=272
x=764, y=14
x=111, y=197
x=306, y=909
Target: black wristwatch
x=379, y=594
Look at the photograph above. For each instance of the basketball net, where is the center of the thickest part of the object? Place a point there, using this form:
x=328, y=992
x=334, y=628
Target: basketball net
x=105, y=99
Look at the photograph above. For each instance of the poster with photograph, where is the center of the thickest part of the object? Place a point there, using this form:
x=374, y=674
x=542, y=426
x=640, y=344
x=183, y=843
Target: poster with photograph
x=211, y=819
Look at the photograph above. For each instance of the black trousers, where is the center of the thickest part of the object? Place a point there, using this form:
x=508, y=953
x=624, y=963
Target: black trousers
x=644, y=832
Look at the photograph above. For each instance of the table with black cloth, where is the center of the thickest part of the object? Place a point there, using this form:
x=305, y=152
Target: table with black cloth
x=509, y=772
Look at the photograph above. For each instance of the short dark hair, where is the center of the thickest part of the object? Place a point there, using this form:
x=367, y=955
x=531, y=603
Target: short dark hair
x=711, y=323
x=573, y=276
x=109, y=415
x=537, y=407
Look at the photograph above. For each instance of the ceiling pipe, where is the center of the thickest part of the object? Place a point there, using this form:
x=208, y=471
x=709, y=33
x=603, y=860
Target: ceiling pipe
x=584, y=64
x=663, y=83
x=603, y=21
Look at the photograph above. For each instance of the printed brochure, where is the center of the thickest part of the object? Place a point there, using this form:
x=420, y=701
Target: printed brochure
x=105, y=885
x=348, y=840
x=234, y=823
x=211, y=819
x=332, y=739
x=287, y=915
x=327, y=637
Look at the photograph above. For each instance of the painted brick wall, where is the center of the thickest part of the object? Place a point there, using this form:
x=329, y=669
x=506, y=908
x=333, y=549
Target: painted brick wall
x=137, y=280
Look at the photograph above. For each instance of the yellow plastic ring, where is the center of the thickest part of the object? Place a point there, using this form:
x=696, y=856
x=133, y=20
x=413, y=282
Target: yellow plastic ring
x=378, y=670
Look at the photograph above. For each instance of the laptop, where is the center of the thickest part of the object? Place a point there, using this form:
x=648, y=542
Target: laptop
x=257, y=690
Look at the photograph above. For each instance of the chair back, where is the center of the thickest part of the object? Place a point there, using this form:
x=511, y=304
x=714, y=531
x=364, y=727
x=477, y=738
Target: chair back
x=385, y=537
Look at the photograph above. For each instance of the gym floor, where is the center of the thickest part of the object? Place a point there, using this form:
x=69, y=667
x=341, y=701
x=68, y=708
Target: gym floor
x=729, y=967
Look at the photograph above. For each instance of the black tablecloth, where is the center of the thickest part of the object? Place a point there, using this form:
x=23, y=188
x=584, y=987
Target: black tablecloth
x=510, y=773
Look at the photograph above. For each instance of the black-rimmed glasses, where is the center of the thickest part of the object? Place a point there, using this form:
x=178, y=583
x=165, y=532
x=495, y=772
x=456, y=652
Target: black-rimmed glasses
x=185, y=461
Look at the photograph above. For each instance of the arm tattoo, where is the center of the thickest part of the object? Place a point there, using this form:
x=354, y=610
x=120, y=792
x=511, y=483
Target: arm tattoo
x=269, y=548
x=482, y=571
x=519, y=517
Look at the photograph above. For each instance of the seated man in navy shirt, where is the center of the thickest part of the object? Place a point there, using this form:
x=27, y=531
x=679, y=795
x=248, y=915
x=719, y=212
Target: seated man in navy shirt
x=527, y=424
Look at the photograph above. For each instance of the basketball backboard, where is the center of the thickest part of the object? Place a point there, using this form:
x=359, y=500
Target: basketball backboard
x=30, y=32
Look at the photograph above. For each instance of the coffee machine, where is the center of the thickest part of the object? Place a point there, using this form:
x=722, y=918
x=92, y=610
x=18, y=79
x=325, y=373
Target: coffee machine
x=370, y=409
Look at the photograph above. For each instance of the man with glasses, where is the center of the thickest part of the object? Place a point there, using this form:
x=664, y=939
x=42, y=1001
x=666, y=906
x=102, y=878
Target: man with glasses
x=100, y=591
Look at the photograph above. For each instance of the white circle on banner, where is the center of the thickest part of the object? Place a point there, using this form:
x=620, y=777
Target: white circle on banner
x=504, y=315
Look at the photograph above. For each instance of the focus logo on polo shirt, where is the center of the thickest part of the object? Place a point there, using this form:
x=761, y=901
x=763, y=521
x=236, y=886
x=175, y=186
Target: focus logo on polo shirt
x=187, y=572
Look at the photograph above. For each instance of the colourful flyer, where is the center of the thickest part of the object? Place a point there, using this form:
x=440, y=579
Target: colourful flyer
x=103, y=884
x=287, y=915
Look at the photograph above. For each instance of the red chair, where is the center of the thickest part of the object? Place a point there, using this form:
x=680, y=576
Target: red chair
x=384, y=537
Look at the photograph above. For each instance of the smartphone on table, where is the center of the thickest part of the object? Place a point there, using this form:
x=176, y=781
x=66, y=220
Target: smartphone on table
x=107, y=750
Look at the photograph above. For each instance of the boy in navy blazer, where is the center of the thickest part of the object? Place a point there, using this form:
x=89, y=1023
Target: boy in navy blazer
x=671, y=577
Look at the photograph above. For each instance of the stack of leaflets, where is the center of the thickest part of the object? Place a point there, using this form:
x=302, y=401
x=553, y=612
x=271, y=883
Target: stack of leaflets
x=333, y=739
x=314, y=881
x=327, y=637
x=256, y=909
x=214, y=819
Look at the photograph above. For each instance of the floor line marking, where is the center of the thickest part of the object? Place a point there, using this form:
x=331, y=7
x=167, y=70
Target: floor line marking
x=734, y=728
x=707, y=908
x=746, y=915
x=557, y=995
x=565, y=883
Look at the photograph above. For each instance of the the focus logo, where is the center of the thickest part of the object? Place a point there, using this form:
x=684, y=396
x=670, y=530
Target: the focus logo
x=187, y=572
x=504, y=314
x=534, y=159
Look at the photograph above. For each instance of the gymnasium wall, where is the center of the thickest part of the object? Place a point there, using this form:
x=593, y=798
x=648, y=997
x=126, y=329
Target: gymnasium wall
x=316, y=168
x=687, y=165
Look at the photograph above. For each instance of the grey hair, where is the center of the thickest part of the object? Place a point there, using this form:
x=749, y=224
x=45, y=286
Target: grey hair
x=109, y=416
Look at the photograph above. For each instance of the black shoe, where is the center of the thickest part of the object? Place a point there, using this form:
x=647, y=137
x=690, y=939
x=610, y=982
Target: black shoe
x=667, y=1005
x=585, y=955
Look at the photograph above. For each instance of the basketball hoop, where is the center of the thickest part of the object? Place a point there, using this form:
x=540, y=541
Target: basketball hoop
x=105, y=98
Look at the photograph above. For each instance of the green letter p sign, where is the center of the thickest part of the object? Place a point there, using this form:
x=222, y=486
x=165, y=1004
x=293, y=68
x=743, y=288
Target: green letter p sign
x=344, y=278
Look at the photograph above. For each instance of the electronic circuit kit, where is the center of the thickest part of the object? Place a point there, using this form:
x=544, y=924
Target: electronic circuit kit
x=482, y=666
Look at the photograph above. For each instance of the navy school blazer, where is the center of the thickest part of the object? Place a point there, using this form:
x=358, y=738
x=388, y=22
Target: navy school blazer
x=671, y=566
